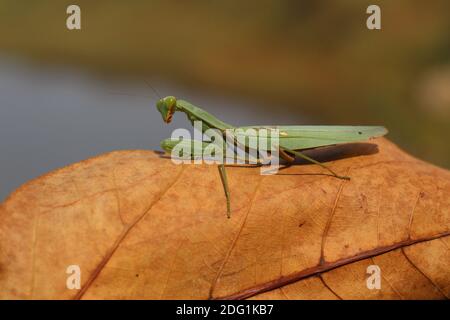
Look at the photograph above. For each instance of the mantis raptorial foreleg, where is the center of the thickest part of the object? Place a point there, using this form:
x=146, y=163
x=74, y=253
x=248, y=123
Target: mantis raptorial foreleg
x=223, y=177
x=304, y=156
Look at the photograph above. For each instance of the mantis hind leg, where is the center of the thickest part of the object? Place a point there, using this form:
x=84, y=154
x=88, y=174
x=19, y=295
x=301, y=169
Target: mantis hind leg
x=304, y=156
x=223, y=177
x=286, y=156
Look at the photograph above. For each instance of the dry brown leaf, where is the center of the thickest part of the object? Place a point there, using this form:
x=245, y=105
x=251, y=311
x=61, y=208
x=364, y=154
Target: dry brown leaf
x=141, y=227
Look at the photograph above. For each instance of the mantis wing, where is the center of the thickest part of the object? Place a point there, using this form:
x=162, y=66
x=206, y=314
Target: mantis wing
x=306, y=137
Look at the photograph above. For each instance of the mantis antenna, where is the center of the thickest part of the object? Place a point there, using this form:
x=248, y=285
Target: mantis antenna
x=153, y=89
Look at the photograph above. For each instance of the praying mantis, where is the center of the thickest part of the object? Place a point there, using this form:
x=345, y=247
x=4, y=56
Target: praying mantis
x=292, y=139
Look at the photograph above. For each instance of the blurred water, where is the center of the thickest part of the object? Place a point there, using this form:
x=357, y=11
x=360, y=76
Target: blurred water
x=53, y=116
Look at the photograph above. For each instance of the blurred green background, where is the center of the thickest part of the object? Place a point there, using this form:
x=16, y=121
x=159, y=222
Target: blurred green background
x=313, y=58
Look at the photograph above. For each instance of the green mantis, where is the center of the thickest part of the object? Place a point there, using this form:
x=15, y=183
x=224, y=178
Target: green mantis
x=291, y=139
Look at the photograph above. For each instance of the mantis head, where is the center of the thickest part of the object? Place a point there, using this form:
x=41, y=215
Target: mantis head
x=166, y=106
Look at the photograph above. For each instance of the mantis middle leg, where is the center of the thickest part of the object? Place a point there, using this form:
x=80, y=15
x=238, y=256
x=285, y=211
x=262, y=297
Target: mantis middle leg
x=223, y=177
